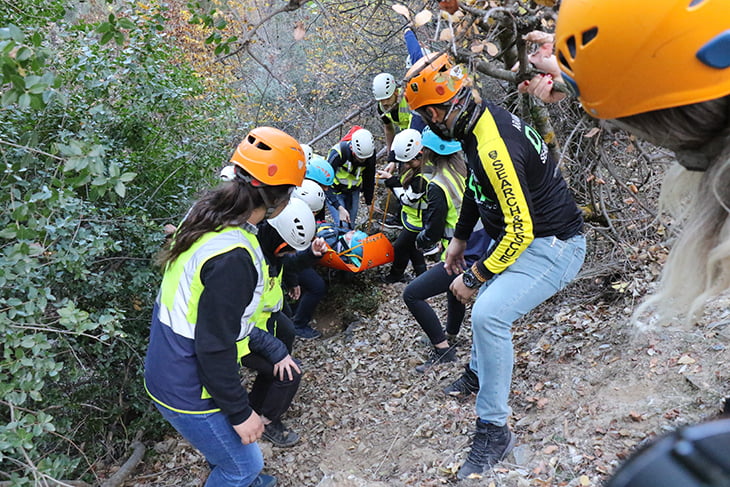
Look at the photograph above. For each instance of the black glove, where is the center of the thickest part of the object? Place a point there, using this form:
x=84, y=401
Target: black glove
x=392, y=182
x=391, y=156
x=423, y=243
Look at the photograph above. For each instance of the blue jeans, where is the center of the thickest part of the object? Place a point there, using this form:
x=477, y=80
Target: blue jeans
x=350, y=200
x=232, y=463
x=546, y=266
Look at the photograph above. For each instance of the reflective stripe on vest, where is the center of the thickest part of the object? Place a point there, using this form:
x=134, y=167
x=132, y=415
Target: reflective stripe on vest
x=404, y=114
x=181, y=285
x=347, y=175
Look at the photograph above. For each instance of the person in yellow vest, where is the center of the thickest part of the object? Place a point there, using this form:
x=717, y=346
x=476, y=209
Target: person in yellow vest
x=410, y=190
x=444, y=194
x=202, y=326
x=353, y=162
x=392, y=106
x=270, y=395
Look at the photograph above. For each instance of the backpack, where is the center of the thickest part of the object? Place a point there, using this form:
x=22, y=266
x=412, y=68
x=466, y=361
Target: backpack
x=348, y=135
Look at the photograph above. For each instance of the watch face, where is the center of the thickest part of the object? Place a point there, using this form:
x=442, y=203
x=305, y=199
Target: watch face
x=470, y=280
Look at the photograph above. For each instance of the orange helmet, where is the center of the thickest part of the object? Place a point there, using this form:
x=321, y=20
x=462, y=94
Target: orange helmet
x=669, y=53
x=271, y=157
x=432, y=80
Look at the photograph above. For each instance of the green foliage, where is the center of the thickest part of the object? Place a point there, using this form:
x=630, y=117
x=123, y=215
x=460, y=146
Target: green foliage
x=23, y=61
x=103, y=142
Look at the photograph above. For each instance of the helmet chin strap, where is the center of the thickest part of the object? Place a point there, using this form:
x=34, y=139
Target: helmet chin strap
x=466, y=114
x=272, y=206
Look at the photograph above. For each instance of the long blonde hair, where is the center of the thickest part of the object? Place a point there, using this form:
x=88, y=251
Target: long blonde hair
x=452, y=163
x=698, y=266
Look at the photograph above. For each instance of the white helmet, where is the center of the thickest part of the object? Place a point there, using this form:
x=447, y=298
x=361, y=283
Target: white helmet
x=407, y=145
x=228, y=173
x=362, y=143
x=311, y=193
x=383, y=86
x=307, y=151
x=295, y=224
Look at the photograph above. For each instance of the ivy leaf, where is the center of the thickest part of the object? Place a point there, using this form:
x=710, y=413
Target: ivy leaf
x=125, y=23
x=120, y=189
x=12, y=32
x=127, y=176
x=103, y=27
x=24, y=100
x=107, y=37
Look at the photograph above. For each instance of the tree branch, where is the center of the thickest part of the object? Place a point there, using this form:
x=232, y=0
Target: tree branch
x=342, y=122
x=125, y=470
x=244, y=43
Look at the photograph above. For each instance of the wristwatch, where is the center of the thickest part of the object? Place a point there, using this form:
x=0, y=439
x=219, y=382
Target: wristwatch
x=470, y=280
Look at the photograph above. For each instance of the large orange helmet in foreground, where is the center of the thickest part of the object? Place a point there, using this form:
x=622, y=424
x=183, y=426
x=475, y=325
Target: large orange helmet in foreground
x=625, y=57
x=271, y=157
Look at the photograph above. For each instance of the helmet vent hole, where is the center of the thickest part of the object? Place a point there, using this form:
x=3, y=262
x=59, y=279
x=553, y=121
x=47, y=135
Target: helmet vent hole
x=571, y=46
x=589, y=35
x=563, y=61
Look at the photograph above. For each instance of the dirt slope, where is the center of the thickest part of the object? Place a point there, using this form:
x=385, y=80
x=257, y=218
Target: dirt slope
x=588, y=388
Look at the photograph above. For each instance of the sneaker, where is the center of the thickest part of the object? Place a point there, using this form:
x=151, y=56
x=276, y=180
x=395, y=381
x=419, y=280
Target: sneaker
x=438, y=356
x=278, y=434
x=432, y=251
x=392, y=222
x=264, y=481
x=490, y=446
x=306, y=332
x=464, y=386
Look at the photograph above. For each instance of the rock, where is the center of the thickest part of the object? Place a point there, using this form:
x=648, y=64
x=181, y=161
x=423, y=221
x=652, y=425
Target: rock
x=523, y=455
x=341, y=479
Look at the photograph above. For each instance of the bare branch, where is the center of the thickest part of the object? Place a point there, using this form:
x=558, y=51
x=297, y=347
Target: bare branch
x=342, y=122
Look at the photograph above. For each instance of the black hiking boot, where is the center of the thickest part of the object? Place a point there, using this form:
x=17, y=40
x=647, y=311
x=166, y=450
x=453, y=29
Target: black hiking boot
x=464, y=386
x=438, y=356
x=278, y=434
x=395, y=275
x=490, y=445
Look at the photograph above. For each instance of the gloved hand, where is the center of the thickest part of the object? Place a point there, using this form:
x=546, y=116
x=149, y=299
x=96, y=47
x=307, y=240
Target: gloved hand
x=423, y=243
x=392, y=182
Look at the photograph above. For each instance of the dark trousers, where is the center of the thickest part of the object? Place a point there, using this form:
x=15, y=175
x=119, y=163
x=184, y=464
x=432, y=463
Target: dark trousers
x=432, y=283
x=281, y=326
x=269, y=396
x=313, y=290
x=404, y=250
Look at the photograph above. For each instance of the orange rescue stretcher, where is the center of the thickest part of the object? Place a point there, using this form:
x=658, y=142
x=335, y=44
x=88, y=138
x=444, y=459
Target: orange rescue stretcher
x=376, y=250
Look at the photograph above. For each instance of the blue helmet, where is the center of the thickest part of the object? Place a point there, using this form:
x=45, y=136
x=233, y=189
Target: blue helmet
x=439, y=145
x=318, y=169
